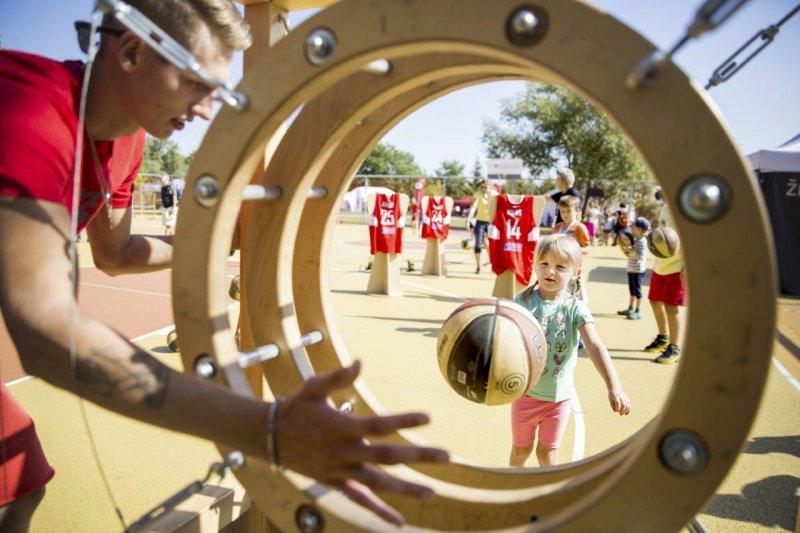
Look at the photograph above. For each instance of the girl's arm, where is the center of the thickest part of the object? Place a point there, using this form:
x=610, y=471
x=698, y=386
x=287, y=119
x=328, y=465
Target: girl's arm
x=620, y=403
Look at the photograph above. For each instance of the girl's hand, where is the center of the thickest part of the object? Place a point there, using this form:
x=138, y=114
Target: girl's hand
x=620, y=403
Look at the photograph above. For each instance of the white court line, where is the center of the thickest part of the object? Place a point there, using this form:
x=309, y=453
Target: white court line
x=149, y=293
x=785, y=373
x=579, y=444
x=422, y=286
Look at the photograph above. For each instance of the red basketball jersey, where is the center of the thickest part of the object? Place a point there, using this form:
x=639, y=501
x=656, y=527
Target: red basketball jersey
x=386, y=225
x=436, y=220
x=512, y=238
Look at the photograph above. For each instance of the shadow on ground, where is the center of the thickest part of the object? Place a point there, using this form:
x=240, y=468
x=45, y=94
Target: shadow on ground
x=606, y=274
x=789, y=444
x=771, y=502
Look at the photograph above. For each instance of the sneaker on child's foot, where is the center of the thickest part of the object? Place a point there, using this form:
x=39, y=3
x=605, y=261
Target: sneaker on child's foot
x=624, y=312
x=660, y=342
x=634, y=314
x=671, y=355
x=478, y=270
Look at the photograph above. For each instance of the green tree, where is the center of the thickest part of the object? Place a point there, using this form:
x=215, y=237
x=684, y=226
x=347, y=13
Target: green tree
x=388, y=160
x=550, y=124
x=163, y=156
x=459, y=186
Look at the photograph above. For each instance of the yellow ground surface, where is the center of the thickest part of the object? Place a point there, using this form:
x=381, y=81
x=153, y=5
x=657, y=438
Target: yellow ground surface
x=395, y=339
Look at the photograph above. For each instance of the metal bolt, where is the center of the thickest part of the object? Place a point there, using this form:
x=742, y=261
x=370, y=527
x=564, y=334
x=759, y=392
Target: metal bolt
x=309, y=520
x=206, y=190
x=346, y=407
x=320, y=46
x=524, y=22
x=683, y=452
x=526, y=26
x=704, y=198
x=234, y=460
x=205, y=367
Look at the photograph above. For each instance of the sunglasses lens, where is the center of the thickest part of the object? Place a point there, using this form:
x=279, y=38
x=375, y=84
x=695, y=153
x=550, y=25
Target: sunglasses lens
x=83, y=39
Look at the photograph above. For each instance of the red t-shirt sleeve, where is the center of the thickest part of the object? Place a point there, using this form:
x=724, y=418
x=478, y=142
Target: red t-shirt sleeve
x=134, y=147
x=36, y=144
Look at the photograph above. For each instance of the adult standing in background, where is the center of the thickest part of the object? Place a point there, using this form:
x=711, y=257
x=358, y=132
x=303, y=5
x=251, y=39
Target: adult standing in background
x=479, y=211
x=565, y=181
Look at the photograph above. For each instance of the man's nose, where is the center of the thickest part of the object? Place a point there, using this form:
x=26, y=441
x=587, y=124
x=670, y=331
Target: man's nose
x=205, y=107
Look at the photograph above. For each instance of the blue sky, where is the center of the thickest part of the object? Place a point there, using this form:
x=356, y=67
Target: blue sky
x=761, y=104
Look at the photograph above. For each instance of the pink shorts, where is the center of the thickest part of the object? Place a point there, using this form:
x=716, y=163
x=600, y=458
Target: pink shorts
x=550, y=417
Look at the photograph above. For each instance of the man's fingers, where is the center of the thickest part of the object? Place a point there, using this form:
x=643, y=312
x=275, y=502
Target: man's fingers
x=323, y=385
x=391, y=454
x=383, y=425
x=367, y=499
x=379, y=480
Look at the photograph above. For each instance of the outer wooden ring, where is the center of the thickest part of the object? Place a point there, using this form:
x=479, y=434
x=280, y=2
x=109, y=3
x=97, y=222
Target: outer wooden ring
x=675, y=131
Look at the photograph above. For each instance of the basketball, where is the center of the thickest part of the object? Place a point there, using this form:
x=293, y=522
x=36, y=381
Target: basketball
x=663, y=242
x=491, y=351
x=172, y=340
x=625, y=240
x=235, y=290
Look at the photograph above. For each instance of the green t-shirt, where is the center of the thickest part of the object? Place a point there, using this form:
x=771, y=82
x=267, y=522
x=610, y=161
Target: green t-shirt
x=561, y=320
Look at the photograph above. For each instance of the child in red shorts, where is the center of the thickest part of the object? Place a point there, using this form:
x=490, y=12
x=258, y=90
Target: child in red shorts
x=667, y=295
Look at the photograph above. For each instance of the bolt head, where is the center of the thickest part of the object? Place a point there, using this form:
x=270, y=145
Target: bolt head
x=206, y=190
x=527, y=25
x=524, y=22
x=683, y=452
x=704, y=198
x=235, y=460
x=309, y=520
x=205, y=367
x=320, y=46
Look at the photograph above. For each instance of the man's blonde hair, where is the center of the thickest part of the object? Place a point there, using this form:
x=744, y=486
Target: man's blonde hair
x=562, y=246
x=569, y=201
x=182, y=19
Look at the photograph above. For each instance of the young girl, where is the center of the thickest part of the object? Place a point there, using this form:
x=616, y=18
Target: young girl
x=546, y=406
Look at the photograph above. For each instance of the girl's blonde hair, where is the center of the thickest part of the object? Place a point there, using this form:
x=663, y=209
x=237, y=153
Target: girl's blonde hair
x=569, y=202
x=563, y=246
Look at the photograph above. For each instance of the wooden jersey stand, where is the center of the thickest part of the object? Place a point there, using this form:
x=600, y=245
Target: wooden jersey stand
x=506, y=284
x=435, y=263
x=384, y=276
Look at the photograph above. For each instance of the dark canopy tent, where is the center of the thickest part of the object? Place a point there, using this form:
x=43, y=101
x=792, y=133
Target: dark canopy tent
x=778, y=172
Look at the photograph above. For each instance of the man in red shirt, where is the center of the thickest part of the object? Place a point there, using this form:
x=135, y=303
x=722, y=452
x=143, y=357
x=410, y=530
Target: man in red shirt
x=133, y=90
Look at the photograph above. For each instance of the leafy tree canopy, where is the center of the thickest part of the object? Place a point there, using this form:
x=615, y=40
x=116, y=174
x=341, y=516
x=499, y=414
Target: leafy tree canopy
x=388, y=160
x=548, y=125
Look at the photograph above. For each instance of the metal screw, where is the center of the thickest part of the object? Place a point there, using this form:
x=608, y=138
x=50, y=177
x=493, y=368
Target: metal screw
x=683, y=452
x=704, y=198
x=320, y=46
x=524, y=22
x=346, y=407
x=206, y=190
x=309, y=520
x=234, y=460
x=205, y=367
x=526, y=26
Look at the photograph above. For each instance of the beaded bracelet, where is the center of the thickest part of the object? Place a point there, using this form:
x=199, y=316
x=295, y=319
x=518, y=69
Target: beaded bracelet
x=272, y=433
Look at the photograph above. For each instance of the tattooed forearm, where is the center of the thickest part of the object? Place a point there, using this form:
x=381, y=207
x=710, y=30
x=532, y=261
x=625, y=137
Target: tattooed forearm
x=139, y=379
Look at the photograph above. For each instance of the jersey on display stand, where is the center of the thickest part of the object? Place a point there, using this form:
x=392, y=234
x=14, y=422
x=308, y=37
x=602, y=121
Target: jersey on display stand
x=436, y=219
x=386, y=225
x=435, y=228
x=512, y=237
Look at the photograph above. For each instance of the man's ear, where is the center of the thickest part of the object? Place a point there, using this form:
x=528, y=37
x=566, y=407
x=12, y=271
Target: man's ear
x=130, y=52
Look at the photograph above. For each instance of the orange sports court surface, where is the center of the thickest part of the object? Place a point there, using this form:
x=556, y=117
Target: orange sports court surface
x=395, y=339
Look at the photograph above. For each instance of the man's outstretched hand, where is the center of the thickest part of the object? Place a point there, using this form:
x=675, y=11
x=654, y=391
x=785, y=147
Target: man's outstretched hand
x=316, y=440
